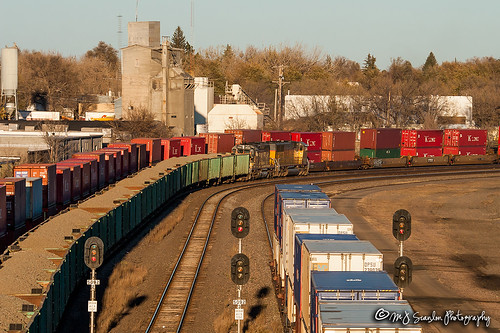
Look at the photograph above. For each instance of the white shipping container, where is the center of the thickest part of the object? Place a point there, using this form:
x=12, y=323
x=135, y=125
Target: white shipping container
x=332, y=256
x=361, y=316
x=307, y=221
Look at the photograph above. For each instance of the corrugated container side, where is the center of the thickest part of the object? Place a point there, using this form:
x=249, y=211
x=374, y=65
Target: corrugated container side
x=450, y=151
x=326, y=155
x=313, y=140
x=381, y=153
x=451, y=137
x=117, y=159
x=276, y=136
x=343, y=155
x=473, y=150
x=343, y=140
x=124, y=155
x=245, y=135
x=100, y=158
x=429, y=138
x=15, y=201
x=142, y=156
x=34, y=198
x=132, y=149
x=76, y=179
x=314, y=156
x=326, y=140
x=473, y=137
x=192, y=145
x=170, y=148
x=84, y=175
x=3, y=210
x=153, y=147
x=218, y=142
x=63, y=186
x=380, y=138
x=93, y=172
x=46, y=171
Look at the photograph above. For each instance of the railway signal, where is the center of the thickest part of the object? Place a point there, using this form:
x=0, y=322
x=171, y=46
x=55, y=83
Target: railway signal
x=240, y=269
x=403, y=268
x=93, y=257
x=240, y=222
x=401, y=225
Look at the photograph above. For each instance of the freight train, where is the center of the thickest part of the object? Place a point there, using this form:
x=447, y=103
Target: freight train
x=331, y=280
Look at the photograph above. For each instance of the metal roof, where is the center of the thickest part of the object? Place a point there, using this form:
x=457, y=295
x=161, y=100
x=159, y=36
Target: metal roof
x=334, y=281
x=326, y=219
x=333, y=246
x=361, y=314
x=311, y=212
x=298, y=187
x=342, y=237
x=303, y=195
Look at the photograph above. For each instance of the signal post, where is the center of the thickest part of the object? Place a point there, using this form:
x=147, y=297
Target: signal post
x=93, y=258
x=240, y=264
x=403, y=266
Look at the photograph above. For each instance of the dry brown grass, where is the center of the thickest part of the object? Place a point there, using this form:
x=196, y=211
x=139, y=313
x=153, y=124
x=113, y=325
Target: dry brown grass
x=224, y=321
x=254, y=321
x=120, y=295
x=164, y=228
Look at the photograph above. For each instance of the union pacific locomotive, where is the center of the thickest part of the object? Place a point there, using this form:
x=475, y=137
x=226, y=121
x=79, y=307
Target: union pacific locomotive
x=275, y=159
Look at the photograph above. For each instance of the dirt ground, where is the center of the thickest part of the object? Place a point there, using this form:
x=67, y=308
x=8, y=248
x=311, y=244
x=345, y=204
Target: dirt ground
x=453, y=244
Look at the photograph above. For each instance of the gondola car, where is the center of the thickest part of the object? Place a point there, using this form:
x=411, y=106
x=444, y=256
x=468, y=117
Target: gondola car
x=275, y=159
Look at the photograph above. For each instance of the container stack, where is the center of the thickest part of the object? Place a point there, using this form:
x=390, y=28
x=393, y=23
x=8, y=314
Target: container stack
x=343, y=146
x=380, y=143
x=3, y=210
x=465, y=142
x=170, y=148
x=15, y=201
x=242, y=136
x=49, y=181
x=153, y=148
x=317, y=143
x=276, y=136
x=216, y=143
x=422, y=143
x=192, y=145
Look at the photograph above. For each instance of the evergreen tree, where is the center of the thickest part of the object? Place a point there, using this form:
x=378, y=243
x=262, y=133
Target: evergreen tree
x=430, y=62
x=178, y=39
x=106, y=53
x=369, y=64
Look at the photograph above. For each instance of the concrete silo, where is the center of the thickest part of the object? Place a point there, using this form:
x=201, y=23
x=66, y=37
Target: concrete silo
x=9, y=63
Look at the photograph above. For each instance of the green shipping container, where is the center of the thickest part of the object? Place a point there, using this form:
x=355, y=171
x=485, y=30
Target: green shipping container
x=242, y=165
x=381, y=153
x=227, y=170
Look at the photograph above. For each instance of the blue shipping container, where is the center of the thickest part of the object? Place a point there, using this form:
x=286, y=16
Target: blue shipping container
x=34, y=198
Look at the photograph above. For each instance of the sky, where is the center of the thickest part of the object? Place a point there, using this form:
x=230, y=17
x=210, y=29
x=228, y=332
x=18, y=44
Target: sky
x=387, y=29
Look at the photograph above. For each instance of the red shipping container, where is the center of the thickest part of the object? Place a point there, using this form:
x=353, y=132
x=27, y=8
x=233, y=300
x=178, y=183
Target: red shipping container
x=63, y=185
x=192, y=145
x=116, y=160
x=125, y=159
x=3, y=210
x=314, y=156
x=343, y=140
x=245, y=135
x=407, y=151
x=421, y=138
x=326, y=155
x=422, y=152
x=450, y=150
x=465, y=137
x=380, y=138
x=49, y=180
x=132, y=150
x=218, y=142
x=101, y=163
x=15, y=190
x=142, y=156
x=276, y=136
x=84, y=175
x=343, y=155
x=472, y=150
x=153, y=147
x=313, y=140
x=93, y=173
x=76, y=180
x=170, y=148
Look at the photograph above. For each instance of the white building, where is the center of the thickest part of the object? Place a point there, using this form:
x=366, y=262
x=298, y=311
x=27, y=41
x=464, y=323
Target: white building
x=203, y=99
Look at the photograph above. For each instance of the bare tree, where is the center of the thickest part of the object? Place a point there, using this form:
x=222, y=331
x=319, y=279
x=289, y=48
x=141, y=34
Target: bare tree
x=138, y=122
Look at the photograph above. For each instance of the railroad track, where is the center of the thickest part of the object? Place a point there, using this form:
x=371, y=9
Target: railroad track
x=172, y=308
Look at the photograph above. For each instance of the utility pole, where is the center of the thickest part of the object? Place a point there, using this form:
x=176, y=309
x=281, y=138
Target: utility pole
x=280, y=83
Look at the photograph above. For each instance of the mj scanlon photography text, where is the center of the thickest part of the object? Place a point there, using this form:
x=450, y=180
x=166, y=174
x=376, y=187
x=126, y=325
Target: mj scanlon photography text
x=448, y=317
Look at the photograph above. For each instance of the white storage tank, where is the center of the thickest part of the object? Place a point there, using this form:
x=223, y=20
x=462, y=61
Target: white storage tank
x=9, y=70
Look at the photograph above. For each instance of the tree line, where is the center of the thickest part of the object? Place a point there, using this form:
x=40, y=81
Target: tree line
x=399, y=95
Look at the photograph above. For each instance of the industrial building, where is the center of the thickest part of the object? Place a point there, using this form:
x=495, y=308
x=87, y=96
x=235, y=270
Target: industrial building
x=153, y=80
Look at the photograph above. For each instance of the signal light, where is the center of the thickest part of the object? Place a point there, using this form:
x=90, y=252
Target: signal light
x=93, y=253
x=240, y=222
x=403, y=268
x=240, y=269
x=401, y=225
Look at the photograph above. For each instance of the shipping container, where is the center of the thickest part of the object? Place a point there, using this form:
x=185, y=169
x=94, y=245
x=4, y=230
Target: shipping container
x=100, y=158
x=450, y=151
x=15, y=190
x=421, y=138
x=125, y=160
x=142, y=156
x=93, y=173
x=34, y=198
x=326, y=155
x=380, y=138
x=192, y=145
x=118, y=160
x=465, y=137
x=287, y=200
x=49, y=180
x=170, y=148
x=308, y=221
x=327, y=287
x=84, y=175
x=76, y=179
x=422, y=152
x=132, y=150
x=380, y=153
x=330, y=255
x=242, y=136
x=153, y=148
x=343, y=140
x=473, y=150
x=63, y=185
x=359, y=316
x=313, y=140
x=343, y=155
x=216, y=143
x=276, y=136
x=314, y=156
x=3, y=210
